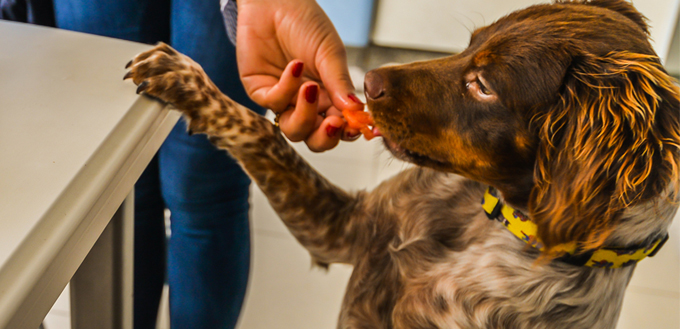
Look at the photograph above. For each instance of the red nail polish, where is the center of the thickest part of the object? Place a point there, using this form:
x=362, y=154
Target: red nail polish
x=332, y=131
x=311, y=93
x=297, y=69
x=354, y=98
x=352, y=136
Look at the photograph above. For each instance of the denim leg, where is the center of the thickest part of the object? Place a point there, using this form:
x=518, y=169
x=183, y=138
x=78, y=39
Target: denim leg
x=209, y=247
x=149, y=249
x=206, y=191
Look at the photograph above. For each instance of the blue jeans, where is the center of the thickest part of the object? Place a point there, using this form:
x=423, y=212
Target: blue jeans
x=208, y=253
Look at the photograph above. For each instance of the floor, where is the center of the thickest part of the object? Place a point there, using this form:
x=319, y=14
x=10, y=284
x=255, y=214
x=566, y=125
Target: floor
x=285, y=291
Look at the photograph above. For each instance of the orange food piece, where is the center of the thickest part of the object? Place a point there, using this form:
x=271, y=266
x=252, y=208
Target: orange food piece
x=359, y=120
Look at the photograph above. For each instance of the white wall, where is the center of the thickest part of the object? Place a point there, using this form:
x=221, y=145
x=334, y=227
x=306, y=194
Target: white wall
x=445, y=25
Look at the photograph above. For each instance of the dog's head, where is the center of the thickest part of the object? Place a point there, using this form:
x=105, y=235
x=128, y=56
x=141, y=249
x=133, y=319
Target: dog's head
x=564, y=108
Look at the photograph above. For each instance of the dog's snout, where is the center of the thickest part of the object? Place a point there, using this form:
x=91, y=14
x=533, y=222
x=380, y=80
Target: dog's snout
x=374, y=85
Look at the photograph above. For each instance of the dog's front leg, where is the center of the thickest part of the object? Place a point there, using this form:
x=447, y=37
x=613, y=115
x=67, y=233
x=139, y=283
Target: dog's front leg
x=325, y=219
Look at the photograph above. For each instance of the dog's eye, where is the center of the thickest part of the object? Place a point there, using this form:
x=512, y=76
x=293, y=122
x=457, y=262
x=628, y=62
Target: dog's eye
x=478, y=87
x=482, y=88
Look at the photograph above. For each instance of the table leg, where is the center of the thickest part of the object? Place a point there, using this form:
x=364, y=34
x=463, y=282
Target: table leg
x=101, y=289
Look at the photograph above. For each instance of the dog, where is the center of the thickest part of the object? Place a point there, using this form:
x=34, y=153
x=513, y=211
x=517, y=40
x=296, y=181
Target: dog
x=559, y=117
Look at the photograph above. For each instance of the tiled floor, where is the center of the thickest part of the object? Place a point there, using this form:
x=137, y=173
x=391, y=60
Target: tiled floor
x=285, y=291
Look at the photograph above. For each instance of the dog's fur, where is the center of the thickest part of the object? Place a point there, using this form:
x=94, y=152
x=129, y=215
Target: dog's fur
x=564, y=108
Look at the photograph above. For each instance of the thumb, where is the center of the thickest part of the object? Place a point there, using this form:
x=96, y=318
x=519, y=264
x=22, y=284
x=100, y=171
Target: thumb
x=335, y=77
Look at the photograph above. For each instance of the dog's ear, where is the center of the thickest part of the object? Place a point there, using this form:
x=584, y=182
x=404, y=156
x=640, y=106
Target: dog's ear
x=611, y=141
x=624, y=8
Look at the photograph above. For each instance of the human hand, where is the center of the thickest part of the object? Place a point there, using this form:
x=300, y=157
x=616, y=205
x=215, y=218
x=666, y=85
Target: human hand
x=292, y=61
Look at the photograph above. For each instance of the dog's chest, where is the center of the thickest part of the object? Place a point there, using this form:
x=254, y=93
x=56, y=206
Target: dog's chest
x=490, y=284
x=444, y=264
x=407, y=278
x=401, y=291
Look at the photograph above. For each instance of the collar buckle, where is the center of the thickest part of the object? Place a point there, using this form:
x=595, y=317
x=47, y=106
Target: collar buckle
x=658, y=246
x=496, y=212
x=490, y=201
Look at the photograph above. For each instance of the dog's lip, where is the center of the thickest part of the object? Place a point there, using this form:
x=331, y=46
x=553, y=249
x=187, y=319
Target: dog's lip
x=405, y=154
x=396, y=148
x=393, y=146
x=374, y=128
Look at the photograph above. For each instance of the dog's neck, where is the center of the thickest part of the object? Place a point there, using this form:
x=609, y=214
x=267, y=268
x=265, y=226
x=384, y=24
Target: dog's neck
x=647, y=220
x=628, y=251
x=516, y=193
x=513, y=199
x=639, y=223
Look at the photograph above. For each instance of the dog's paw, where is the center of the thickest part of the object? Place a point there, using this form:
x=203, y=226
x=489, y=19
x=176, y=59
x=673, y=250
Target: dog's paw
x=172, y=77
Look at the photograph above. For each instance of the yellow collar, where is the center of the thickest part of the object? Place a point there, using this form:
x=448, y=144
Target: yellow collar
x=523, y=228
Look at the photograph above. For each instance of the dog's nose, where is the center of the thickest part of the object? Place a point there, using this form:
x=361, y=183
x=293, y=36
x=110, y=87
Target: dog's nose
x=374, y=86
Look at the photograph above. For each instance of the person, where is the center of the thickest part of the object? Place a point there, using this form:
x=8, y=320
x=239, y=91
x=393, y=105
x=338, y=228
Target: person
x=286, y=63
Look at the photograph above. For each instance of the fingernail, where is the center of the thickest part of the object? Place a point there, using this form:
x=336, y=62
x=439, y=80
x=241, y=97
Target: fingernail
x=311, y=93
x=332, y=131
x=297, y=69
x=355, y=99
x=128, y=64
x=352, y=136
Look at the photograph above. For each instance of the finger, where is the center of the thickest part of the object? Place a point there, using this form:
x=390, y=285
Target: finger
x=324, y=100
x=348, y=134
x=298, y=124
x=278, y=96
x=327, y=136
x=334, y=73
x=333, y=111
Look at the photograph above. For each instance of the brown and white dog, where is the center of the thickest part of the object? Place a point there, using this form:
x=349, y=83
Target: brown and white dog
x=563, y=109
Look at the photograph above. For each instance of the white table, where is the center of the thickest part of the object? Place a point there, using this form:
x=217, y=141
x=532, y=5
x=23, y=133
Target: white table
x=74, y=138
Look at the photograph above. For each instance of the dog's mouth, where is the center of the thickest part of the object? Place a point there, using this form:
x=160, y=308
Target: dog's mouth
x=403, y=153
x=399, y=147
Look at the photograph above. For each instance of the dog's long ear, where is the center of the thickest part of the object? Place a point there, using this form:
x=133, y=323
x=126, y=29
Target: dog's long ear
x=624, y=8
x=611, y=141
